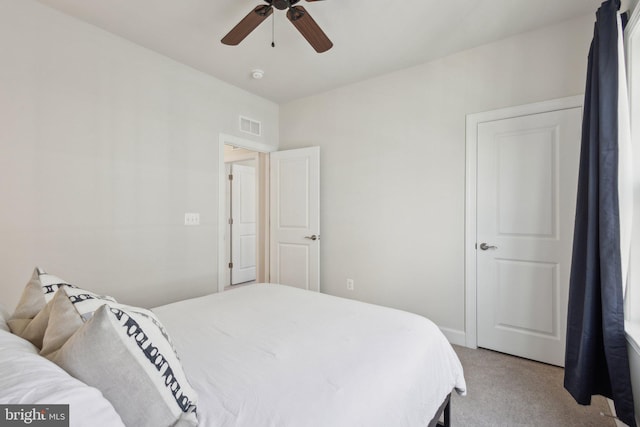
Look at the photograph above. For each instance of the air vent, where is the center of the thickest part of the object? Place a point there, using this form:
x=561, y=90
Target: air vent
x=250, y=126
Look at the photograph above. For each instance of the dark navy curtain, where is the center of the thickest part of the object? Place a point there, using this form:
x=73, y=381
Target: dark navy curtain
x=596, y=359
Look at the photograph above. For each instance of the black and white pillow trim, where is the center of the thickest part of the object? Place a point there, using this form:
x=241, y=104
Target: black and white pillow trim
x=79, y=298
x=52, y=288
x=153, y=355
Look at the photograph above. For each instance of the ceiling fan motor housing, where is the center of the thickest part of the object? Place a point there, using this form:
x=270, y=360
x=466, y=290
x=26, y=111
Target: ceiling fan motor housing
x=283, y=4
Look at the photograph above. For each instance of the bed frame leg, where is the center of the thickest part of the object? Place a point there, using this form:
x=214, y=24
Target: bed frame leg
x=447, y=415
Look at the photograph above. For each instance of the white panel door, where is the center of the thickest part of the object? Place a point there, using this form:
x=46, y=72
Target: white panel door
x=527, y=183
x=295, y=218
x=243, y=210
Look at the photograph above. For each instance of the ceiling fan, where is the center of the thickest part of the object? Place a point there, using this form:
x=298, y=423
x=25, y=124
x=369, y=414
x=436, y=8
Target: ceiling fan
x=298, y=16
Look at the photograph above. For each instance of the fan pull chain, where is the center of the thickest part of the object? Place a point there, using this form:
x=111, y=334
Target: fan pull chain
x=273, y=30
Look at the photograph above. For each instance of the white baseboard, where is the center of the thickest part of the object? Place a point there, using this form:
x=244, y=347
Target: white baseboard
x=633, y=346
x=612, y=408
x=454, y=336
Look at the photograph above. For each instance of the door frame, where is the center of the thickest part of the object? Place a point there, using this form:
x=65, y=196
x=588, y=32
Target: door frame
x=226, y=139
x=470, y=214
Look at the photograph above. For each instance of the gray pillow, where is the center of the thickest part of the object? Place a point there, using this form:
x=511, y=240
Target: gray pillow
x=126, y=356
x=30, y=319
x=67, y=312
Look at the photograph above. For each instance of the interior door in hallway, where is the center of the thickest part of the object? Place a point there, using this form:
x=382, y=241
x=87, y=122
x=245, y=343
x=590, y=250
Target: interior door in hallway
x=243, y=218
x=527, y=169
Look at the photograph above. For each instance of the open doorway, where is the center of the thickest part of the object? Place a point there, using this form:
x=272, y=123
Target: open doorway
x=241, y=208
x=243, y=211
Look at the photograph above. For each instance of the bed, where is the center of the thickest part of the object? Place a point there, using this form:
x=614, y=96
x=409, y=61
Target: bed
x=273, y=355
x=261, y=355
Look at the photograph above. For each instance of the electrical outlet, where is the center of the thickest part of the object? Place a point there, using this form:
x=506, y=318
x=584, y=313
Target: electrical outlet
x=191, y=219
x=350, y=284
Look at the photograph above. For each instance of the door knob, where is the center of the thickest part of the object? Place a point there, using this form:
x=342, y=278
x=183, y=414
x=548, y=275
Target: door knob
x=312, y=237
x=484, y=246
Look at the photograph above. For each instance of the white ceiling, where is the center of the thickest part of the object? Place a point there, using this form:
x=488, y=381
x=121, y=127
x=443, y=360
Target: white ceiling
x=370, y=37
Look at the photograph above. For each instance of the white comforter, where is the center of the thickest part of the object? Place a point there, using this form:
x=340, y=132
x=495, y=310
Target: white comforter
x=271, y=355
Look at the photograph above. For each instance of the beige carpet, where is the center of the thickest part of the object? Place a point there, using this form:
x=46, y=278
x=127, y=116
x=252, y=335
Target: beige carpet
x=509, y=391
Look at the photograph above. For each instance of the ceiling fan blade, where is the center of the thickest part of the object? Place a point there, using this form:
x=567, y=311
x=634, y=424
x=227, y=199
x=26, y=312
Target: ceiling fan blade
x=301, y=19
x=247, y=25
x=314, y=0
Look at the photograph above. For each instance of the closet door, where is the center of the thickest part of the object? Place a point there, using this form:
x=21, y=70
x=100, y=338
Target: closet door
x=526, y=193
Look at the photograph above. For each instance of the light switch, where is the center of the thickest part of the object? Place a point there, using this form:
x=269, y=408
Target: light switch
x=191, y=219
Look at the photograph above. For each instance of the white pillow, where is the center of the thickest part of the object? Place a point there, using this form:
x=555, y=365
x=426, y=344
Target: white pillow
x=127, y=357
x=38, y=292
x=27, y=378
x=66, y=313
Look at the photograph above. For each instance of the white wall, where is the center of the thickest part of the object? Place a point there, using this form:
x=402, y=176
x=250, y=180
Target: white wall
x=104, y=146
x=632, y=303
x=628, y=5
x=634, y=368
x=393, y=164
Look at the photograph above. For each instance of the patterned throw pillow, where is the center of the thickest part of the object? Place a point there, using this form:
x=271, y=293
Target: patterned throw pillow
x=127, y=356
x=30, y=317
